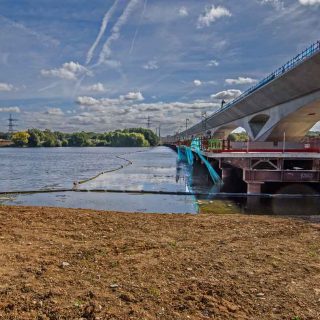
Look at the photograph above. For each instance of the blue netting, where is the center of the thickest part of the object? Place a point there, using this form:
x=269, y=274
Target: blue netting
x=187, y=155
x=196, y=144
x=181, y=156
x=213, y=174
x=196, y=147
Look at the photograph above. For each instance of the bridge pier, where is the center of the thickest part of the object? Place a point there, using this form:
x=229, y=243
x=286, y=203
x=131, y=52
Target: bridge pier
x=266, y=164
x=254, y=187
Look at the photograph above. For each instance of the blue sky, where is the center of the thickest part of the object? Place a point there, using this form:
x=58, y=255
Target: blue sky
x=100, y=65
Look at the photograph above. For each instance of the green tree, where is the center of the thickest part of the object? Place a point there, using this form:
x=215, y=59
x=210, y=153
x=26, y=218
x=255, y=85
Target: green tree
x=20, y=139
x=240, y=136
x=50, y=139
x=79, y=139
x=64, y=143
x=34, y=138
x=232, y=137
x=149, y=135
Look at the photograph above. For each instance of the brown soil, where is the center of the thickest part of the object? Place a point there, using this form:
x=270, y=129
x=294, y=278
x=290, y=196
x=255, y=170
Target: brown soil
x=82, y=264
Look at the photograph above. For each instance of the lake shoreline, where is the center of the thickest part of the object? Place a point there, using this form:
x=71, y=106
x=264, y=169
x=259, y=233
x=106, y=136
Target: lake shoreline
x=72, y=263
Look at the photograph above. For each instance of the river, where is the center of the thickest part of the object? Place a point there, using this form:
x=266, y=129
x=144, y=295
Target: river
x=125, y=169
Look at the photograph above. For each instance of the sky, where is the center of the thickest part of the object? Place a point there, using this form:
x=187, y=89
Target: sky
x=100, y=65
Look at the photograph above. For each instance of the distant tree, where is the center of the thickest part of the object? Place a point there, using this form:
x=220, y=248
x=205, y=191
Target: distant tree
x=149, y=135
x=50, y=139
x=232, y=137
x=59, y=135
x=20, y=139
x=64, y=143
x=50, y=142
x=4, y=135
x=79, y=139
x=313, y=134
x=239, y=136
x=134, y=137
x=34, y=138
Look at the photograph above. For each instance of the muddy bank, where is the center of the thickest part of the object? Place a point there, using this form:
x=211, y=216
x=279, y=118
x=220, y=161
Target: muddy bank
x=72, y=264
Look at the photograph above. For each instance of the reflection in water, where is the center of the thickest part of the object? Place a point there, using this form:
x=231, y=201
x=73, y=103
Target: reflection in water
x=280, y=205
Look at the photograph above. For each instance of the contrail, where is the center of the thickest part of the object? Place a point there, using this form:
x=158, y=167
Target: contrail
x=45, y=40
x=50, y=86
x=138, y=28
x=103, y=27
x=106, y=51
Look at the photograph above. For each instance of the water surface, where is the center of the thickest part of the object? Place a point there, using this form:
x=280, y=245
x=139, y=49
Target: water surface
x=131, y=169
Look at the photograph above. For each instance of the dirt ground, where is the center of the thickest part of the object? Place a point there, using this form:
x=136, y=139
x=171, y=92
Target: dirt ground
x=82, y=264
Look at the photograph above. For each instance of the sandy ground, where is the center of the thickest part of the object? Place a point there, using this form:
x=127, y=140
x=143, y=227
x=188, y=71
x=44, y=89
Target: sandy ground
x=82, y=264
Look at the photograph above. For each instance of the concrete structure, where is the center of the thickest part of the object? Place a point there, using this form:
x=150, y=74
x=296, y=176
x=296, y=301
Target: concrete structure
x=287, y=102
x=262, y=164
x=276, y=113
x=259, y=168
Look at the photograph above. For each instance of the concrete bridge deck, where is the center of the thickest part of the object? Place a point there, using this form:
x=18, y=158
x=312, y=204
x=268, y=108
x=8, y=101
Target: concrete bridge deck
x=287, y=101
x=276, y=114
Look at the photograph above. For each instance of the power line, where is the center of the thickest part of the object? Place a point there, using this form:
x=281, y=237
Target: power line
x=148, y=122
x=11, y=124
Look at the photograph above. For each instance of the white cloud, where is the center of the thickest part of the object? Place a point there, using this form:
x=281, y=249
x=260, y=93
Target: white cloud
x=97, y=87
x=54, y=111
x=199, y=83
x=133, y=96
x=211, y=14
x=309, y=2
x=241, y=80
x=226, y=95
x=85, y=101
x=10, y=109
x=277, y=4
x=213, y=63
x=6, y=86
x=183, y=12
x=69, y=71
x=151, y=65
x=88, y=101
x=97, y=115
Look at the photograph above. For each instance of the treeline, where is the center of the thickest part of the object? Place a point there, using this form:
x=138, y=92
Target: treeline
x=134, y=137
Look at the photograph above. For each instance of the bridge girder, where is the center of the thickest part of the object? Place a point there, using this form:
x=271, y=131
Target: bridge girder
x=289, y=103
x=293, y=119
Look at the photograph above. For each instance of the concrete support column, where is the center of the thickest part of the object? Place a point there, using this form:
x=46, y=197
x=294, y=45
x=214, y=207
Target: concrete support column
x=254, y=187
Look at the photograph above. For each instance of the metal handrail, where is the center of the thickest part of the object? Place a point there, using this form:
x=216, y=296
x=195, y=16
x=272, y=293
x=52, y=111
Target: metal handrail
x=311, y=50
